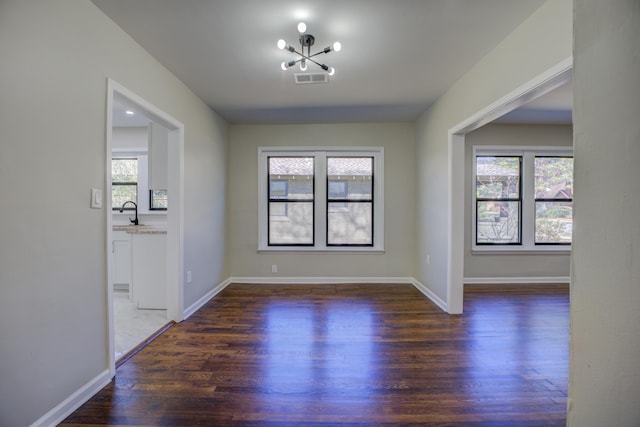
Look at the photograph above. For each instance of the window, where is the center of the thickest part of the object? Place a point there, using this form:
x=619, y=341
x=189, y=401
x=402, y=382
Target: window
x=129, y=181
x=320, y=199
x=291, y=200
x=158, y=200
x=124, y=185
x=498, y=200
x=350, y=201
x=554, y=200
x=523, y=198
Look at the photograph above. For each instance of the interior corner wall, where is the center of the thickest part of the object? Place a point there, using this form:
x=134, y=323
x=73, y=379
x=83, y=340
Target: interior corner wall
x=56, y=58
x=604, y=377
x=398, y=142
x=504, y=266
x=541, y=42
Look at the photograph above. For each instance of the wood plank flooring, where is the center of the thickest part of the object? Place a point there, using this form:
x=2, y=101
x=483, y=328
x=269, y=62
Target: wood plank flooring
x=352, y=355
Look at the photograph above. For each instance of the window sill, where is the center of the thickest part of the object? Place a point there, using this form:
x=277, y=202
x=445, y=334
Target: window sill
x=547, y=250
x=130, y=212
x=311, y=250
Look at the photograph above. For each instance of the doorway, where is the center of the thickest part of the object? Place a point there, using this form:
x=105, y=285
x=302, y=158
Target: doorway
x=540, y=85
x=171, y=257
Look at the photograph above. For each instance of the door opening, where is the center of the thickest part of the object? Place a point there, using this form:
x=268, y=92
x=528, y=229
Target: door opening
x=171, y=255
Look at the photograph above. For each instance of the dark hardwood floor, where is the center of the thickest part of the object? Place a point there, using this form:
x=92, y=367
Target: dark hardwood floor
x=353, y=355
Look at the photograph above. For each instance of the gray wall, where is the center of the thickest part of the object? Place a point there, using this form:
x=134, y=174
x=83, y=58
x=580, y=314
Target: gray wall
x=604, y=382
x=484, y=265
x=399, y=176
x=56, y=58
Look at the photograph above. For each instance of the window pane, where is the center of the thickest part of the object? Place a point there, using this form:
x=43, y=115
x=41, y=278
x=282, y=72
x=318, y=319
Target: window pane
x=291, y=178
x=291, y=223
x=159, y=199
x=554, y=177
x=497, y=177
x=123, y=193
x=350, y=223
x=554, y=222
x=124, y=170
x=498, y=222
x=350, y=178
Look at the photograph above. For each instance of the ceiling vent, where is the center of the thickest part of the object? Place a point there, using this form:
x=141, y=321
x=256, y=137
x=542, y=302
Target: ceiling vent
x=310, y=78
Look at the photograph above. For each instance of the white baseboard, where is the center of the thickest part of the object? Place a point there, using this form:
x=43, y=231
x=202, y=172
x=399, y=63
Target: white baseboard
x=514, y=280
x=317, y=280
x=429, y=294
x=73, y=402
x=202, y=301
x=339, y=280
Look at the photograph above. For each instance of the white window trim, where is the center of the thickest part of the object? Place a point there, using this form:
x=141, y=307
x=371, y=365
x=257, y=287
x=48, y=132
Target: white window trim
x=320, y=227
x=528, y=197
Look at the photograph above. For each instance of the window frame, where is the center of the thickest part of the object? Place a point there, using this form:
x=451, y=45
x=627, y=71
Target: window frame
x=551, y=200
x=152, y=199
x=527, y=195
x=345, y=200
x=286, y=200
x=517, y=200
x=126, y=183
x=320, y=208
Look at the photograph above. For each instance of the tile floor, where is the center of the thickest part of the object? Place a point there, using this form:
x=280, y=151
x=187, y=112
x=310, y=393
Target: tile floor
x=132, y=326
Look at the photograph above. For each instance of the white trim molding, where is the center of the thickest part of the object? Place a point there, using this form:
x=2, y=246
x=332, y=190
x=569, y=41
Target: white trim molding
x=343, y=280
x=515, y=280
x=543, y=83
x=318, y=280
x=320, y=199
x=429, y=294
x=205, y=299
x=74, y=401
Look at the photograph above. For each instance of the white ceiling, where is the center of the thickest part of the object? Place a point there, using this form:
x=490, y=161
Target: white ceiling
x=397, y=56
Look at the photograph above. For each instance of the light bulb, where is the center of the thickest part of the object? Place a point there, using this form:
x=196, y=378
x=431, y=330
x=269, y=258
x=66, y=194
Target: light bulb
x=302, y=27
x=337, y=47
x=282, y=44
x=332, y=71
x=283, y=66
x=303, y=65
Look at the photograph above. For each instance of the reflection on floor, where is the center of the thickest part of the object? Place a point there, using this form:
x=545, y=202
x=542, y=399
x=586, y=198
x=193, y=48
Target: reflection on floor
x=132, y=326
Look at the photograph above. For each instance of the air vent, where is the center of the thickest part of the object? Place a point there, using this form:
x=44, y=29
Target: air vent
x=310, y=78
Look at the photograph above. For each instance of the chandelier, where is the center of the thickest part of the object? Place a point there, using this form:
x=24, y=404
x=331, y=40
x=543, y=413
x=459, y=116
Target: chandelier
x=306, y=41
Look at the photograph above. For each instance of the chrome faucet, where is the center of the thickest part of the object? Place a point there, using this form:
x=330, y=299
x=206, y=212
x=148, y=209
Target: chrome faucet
x=133, y=221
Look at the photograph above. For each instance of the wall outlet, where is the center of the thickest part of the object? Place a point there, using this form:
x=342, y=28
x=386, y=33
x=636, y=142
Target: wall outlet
x=189, y=276
x=274, y=268
x=428, y=259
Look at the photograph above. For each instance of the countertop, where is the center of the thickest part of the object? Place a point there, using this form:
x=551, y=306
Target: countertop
x=141, y=229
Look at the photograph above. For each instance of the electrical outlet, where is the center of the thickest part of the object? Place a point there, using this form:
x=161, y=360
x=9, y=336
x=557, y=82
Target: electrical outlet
x=428, y=259
x=274, y=268
x=189, y=276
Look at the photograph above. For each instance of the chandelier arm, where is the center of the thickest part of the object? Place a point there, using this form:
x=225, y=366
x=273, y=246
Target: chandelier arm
x=323, y=66
x=317, y=53
x=301, y=54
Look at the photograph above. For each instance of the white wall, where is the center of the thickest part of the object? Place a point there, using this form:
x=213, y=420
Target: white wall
x=399, y=173
x=56, y=58
x=130, y=138
x=604, y=374
x=541, y=42
x=483, y=265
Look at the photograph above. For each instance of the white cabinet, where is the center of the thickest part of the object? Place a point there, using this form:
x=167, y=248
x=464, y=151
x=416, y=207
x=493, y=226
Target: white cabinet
x=158, y=156
x=149, y=269
x=121, y=260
